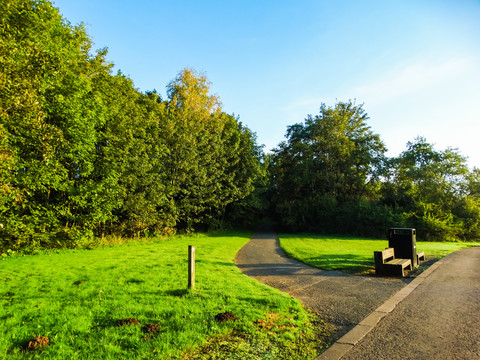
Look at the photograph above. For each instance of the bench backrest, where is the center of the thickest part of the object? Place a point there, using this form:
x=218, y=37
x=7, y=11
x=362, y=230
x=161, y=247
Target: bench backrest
x=381, y=257
x=387, y=254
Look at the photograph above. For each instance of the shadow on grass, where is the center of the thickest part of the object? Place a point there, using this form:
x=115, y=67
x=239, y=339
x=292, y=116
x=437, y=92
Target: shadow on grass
x=19, y=345
x=219, y=234
x=221, y=263
x=263, y=302
x=296, y=269
x=104, y=321
x=346, y=263
x=135, y=281
x=177, y=292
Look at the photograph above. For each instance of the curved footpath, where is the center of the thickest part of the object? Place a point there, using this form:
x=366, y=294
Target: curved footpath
x=381, y=318
x=343, y=300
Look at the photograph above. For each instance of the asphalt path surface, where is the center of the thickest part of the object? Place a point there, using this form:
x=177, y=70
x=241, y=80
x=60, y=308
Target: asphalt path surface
x=342, y=300
x=440, y=319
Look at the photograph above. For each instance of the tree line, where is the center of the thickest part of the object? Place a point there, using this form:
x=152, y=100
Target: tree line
x=331, y=175
x=84, y=154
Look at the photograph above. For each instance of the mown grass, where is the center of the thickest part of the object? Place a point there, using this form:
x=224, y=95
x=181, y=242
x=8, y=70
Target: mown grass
x=77, y=298
x=352, y=254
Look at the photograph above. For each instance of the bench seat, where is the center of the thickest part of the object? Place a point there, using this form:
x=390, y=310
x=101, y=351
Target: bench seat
x=420, y=256
x=386, y=264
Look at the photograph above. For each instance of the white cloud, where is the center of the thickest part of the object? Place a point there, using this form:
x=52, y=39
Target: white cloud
x=437, y=100
x=408, y=79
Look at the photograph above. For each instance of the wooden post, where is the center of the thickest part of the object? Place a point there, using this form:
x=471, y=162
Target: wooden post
x=191, y=266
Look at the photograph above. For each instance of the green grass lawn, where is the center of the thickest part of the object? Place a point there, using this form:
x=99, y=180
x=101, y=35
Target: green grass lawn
x=77, y=299
x=352, y=254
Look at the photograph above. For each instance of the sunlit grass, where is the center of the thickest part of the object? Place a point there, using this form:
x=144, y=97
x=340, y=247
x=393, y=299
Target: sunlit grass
x=352, y=254
x=76, y=299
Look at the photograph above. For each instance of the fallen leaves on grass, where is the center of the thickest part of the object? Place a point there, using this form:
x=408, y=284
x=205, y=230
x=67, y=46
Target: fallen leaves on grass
x=226, y=316
x=129, y=321
x=273, y=321
x=37, y=343
x=151, y=328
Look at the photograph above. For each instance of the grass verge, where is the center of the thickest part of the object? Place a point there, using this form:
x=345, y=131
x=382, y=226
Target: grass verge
x=100, y=304
x=352, y=254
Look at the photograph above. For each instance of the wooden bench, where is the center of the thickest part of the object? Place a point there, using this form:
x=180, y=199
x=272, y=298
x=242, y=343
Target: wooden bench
x=386, y=264
x=420, y=256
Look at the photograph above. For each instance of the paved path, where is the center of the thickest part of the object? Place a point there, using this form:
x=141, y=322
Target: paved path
x=342, y=300
x=440, y=319
x=435, y=316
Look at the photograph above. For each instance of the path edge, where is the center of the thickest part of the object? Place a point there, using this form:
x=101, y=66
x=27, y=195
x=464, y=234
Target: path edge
x=350, y=339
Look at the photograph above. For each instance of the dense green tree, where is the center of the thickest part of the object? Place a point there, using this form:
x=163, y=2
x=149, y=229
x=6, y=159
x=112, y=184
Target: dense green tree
x=250, y=172
x=130, y=159
x=84, y=153
x=469, y=210
x=48, y=115
x=429, y=185
x=212, y=160
x=192, y=129
x=331, y=175
x=332, y=160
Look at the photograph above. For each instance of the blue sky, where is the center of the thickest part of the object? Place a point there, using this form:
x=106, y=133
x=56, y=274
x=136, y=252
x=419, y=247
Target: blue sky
x=414, y=64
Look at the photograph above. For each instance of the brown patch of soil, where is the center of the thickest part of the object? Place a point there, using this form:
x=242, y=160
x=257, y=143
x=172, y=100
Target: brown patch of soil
x=129, y=321
x=226, y=316
x=270, y=322
x=37, y=343
x=151, y=328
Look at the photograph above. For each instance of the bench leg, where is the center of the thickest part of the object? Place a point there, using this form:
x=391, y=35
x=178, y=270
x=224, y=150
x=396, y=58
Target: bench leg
x=394, y=270
x=379, y=268
x=402, y=269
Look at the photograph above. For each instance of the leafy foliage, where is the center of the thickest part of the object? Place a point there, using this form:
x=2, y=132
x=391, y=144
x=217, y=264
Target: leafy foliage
x=328, y=165
x=213, y=158
x=431, y=187
x=86, y=154
x=331, y=176
x=49, y=115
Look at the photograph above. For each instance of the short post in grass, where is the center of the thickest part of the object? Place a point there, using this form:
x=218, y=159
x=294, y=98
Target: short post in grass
x=191, y=266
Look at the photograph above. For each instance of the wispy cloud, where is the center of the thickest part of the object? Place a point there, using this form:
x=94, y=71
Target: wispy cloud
x=410, y=78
